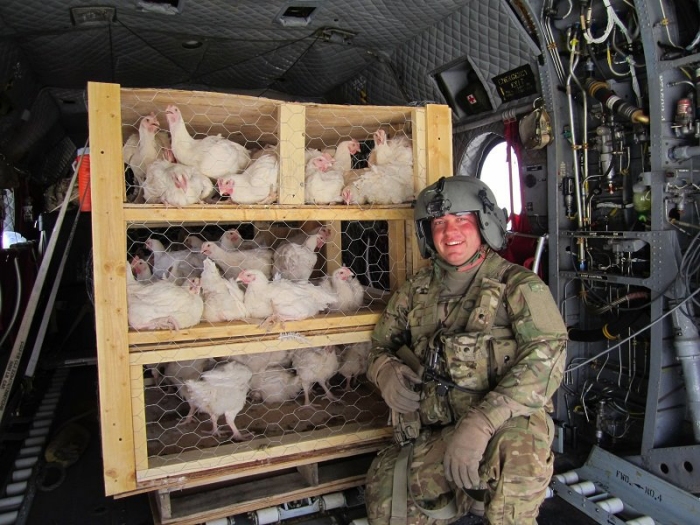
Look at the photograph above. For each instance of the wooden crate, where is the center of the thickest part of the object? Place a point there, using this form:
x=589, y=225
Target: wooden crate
x=124, y=355
x=222, y=500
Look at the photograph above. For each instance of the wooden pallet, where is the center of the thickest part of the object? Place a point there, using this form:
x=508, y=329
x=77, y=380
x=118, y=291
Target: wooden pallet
x=191, y=507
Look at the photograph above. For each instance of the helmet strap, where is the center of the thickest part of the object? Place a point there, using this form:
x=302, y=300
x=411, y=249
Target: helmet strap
x=474, y=261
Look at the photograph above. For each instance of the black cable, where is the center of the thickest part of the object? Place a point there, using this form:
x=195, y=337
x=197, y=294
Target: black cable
x=303, y=54
x=194, y=77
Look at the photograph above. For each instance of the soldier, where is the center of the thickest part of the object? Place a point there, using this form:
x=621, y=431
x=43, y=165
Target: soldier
x=467, y=355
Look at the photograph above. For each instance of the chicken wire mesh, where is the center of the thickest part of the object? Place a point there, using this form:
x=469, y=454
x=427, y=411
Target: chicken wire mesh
x=251, y=335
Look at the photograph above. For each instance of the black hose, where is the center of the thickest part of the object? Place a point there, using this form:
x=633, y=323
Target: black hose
x=609, y=331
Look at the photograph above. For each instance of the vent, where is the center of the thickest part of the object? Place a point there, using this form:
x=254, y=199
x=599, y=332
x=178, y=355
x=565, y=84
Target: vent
x=92, y=16
x=165, y=7
x=297, y=13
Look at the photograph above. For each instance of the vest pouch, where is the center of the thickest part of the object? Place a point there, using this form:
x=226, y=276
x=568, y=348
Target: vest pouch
x=467, y=359
x=461, y=402
x=434, y=409
x=504, y=353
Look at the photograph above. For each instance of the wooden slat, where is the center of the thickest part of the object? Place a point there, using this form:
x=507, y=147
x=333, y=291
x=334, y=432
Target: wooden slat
x=165, y=509
x=334, y=248
x=158, y=215
x=418, y=139
x=109, y=235
x=233, y=329
x=203, y=479
x=138, y=403
x=153, y=355
x=438, y=142
x=259, y=451
x=309, y=473
x=397, y=254
x=292, y=119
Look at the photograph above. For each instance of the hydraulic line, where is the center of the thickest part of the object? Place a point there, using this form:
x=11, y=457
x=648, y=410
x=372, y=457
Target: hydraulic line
x=600, y=91
x=609, y=331
x=573, y=62
x=687, y=345
x=551, y=42
x=679, y=153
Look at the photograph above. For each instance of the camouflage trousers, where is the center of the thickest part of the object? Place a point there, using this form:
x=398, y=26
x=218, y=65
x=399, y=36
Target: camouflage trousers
x=516, y=468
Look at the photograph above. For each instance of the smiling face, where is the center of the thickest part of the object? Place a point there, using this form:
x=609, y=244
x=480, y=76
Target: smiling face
x=456, y=237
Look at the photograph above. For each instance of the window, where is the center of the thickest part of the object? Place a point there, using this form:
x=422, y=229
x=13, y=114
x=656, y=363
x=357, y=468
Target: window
x=7, y=203
x=494, y=172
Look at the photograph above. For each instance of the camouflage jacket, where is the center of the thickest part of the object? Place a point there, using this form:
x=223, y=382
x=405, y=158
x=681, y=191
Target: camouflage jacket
x=528, y=316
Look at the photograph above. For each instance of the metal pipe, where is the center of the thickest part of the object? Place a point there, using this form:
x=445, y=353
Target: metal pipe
x=18, y=302
x=679, y=153
x=687, y=345
x=605, y=145
x=574, y=149
x=601, y=92
x=539, y=250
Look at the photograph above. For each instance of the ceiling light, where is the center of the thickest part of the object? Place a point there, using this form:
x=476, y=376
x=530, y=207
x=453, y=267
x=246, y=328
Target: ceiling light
x=192, y=44
x=92, y=16
x=164, y=7
x=336, y=36
x=297, y=13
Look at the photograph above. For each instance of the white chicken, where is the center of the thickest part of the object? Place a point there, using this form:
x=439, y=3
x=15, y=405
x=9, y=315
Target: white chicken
x=296, y=262
x=274, y=386
x=389, y=177
x=141, y=270
x=231, y=263
x=175, y=184
x=176, y=373
x=268, y=148
x=176, y=264
x=390, y=151
x=263, y=235
x=263, y=360
x=223, y=299
x=354, y=359
x=220, y=391
x=381, y=184
x=256, y=185
x=342, y=154
x=232, y=240
x=323, y=181
x=141, y=149
x=163, y=305
x=310, y=153
x=194, y=243
x=281, y=300
x=315, y=365
x=346, y=288
x=214, y=156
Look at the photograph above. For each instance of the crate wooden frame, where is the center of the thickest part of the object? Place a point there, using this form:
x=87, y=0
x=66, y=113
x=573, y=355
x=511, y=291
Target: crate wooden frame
x=123, y=353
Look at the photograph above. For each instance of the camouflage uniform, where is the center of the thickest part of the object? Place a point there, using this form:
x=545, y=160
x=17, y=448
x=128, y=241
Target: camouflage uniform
x=504, y=343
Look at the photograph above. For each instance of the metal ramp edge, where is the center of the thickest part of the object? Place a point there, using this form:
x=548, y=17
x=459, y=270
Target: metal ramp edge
x=613, y=491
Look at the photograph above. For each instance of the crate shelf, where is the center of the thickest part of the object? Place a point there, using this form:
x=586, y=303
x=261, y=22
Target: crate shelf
x=144, y=448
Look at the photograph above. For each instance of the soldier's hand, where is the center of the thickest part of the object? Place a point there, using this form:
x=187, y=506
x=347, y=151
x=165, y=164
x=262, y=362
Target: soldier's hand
x=465, y=450
x=395, y=381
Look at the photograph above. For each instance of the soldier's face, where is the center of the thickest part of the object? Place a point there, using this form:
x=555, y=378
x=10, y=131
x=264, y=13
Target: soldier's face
x=456, y=237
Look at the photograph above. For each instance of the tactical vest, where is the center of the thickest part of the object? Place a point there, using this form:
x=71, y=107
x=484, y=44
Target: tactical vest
x=472, y=354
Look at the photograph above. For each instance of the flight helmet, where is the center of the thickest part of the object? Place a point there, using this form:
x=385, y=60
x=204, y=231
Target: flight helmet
x=456, y=194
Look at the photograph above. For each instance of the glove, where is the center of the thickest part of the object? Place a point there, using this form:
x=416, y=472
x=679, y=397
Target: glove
x=395, y=381
x=466, y=449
